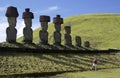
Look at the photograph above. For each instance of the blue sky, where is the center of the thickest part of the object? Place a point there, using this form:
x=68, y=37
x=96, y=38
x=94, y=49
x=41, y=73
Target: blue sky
x=52, y=7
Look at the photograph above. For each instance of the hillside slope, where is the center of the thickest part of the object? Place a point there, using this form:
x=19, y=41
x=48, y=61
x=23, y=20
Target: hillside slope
x=23, y=63
x=102, y=30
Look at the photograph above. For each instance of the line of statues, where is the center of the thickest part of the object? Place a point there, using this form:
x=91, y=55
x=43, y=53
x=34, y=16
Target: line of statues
x=12, y=14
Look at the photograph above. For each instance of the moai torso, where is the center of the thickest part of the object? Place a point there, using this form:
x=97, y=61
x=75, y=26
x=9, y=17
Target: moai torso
x=11, y=32
x=57, y=38
x=78, y=41
x=68, y=39
x=27, y=31
x=87, y=44
x=57, y=35
x=43, y=37
x=28, y=35
x=43, y=34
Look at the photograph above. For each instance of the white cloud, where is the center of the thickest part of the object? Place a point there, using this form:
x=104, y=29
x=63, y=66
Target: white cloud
x=53, y=8
x=48, y=10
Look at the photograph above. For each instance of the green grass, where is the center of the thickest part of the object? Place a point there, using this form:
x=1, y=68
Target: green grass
x=107, y=73
x=21, y=63
x=102, y=30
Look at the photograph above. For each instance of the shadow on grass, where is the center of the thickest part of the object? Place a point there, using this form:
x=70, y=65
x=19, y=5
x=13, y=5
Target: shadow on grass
x=43, y=74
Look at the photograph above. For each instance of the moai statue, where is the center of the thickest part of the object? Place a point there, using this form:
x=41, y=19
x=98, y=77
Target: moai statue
x=87, y=44
x=27, y=31
x=78, y=41
x=67, y=36
x=43, y=34
x=57, y=35
x=11, y=31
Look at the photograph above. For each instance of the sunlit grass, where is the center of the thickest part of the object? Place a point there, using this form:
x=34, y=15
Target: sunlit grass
x=19, y=63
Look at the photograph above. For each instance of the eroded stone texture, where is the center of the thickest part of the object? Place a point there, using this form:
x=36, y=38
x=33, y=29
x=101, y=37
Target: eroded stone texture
x=87, y=44
x=43, y=34
x=11, y=32
x=57, y=38
x=43, y=37
x=67, y=36
x=27, y=31
x=78, y=41
x=57, y=35
x=28, y=35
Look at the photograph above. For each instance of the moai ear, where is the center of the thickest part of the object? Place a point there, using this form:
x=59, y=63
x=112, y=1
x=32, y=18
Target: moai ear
x=12, y=12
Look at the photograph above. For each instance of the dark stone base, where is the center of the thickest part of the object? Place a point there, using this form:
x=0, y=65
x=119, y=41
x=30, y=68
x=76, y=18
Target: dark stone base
x=11, y=41
x=27, y=41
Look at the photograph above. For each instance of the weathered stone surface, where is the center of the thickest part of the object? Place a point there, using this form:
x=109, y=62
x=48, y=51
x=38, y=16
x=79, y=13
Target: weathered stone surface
x=43, y=37
x=12, y=21
x=11, y=34
x=44, y=18
x=44, y=26
x=67, y=36
x=11, y=15
x=12, y=12
x=58, y=27
x=43, y=34
x=57, y=38
x=44, y=22
x=57, y=35
x=68, y=29
x=78, y=41
x=87, y=44
x=27, y=31
x=58, y=20
x=68, y=40
x=28, y=35
x=27, y=14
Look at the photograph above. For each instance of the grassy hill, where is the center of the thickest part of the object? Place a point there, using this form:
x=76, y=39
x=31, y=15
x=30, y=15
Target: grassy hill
x=102, y=30
x=23, y=63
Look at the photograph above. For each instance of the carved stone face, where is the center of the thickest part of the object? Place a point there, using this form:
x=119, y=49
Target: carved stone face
x=28, y=22
x=12, y=21
x=44, y=26
x=58, y=27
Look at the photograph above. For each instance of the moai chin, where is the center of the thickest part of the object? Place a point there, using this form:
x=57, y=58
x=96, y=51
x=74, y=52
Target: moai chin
x=78, y=41
x=11, y=31
x=43, y=34
x=57, y=35
x=67, y=36
x=27, y=31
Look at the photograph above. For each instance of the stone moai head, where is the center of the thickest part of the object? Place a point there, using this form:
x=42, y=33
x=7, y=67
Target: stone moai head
x=78, y=40
x=44, y=22
x=58, y=21
x=87, y=44
x=68, y=29
x=28, y=16
x=12, y=14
